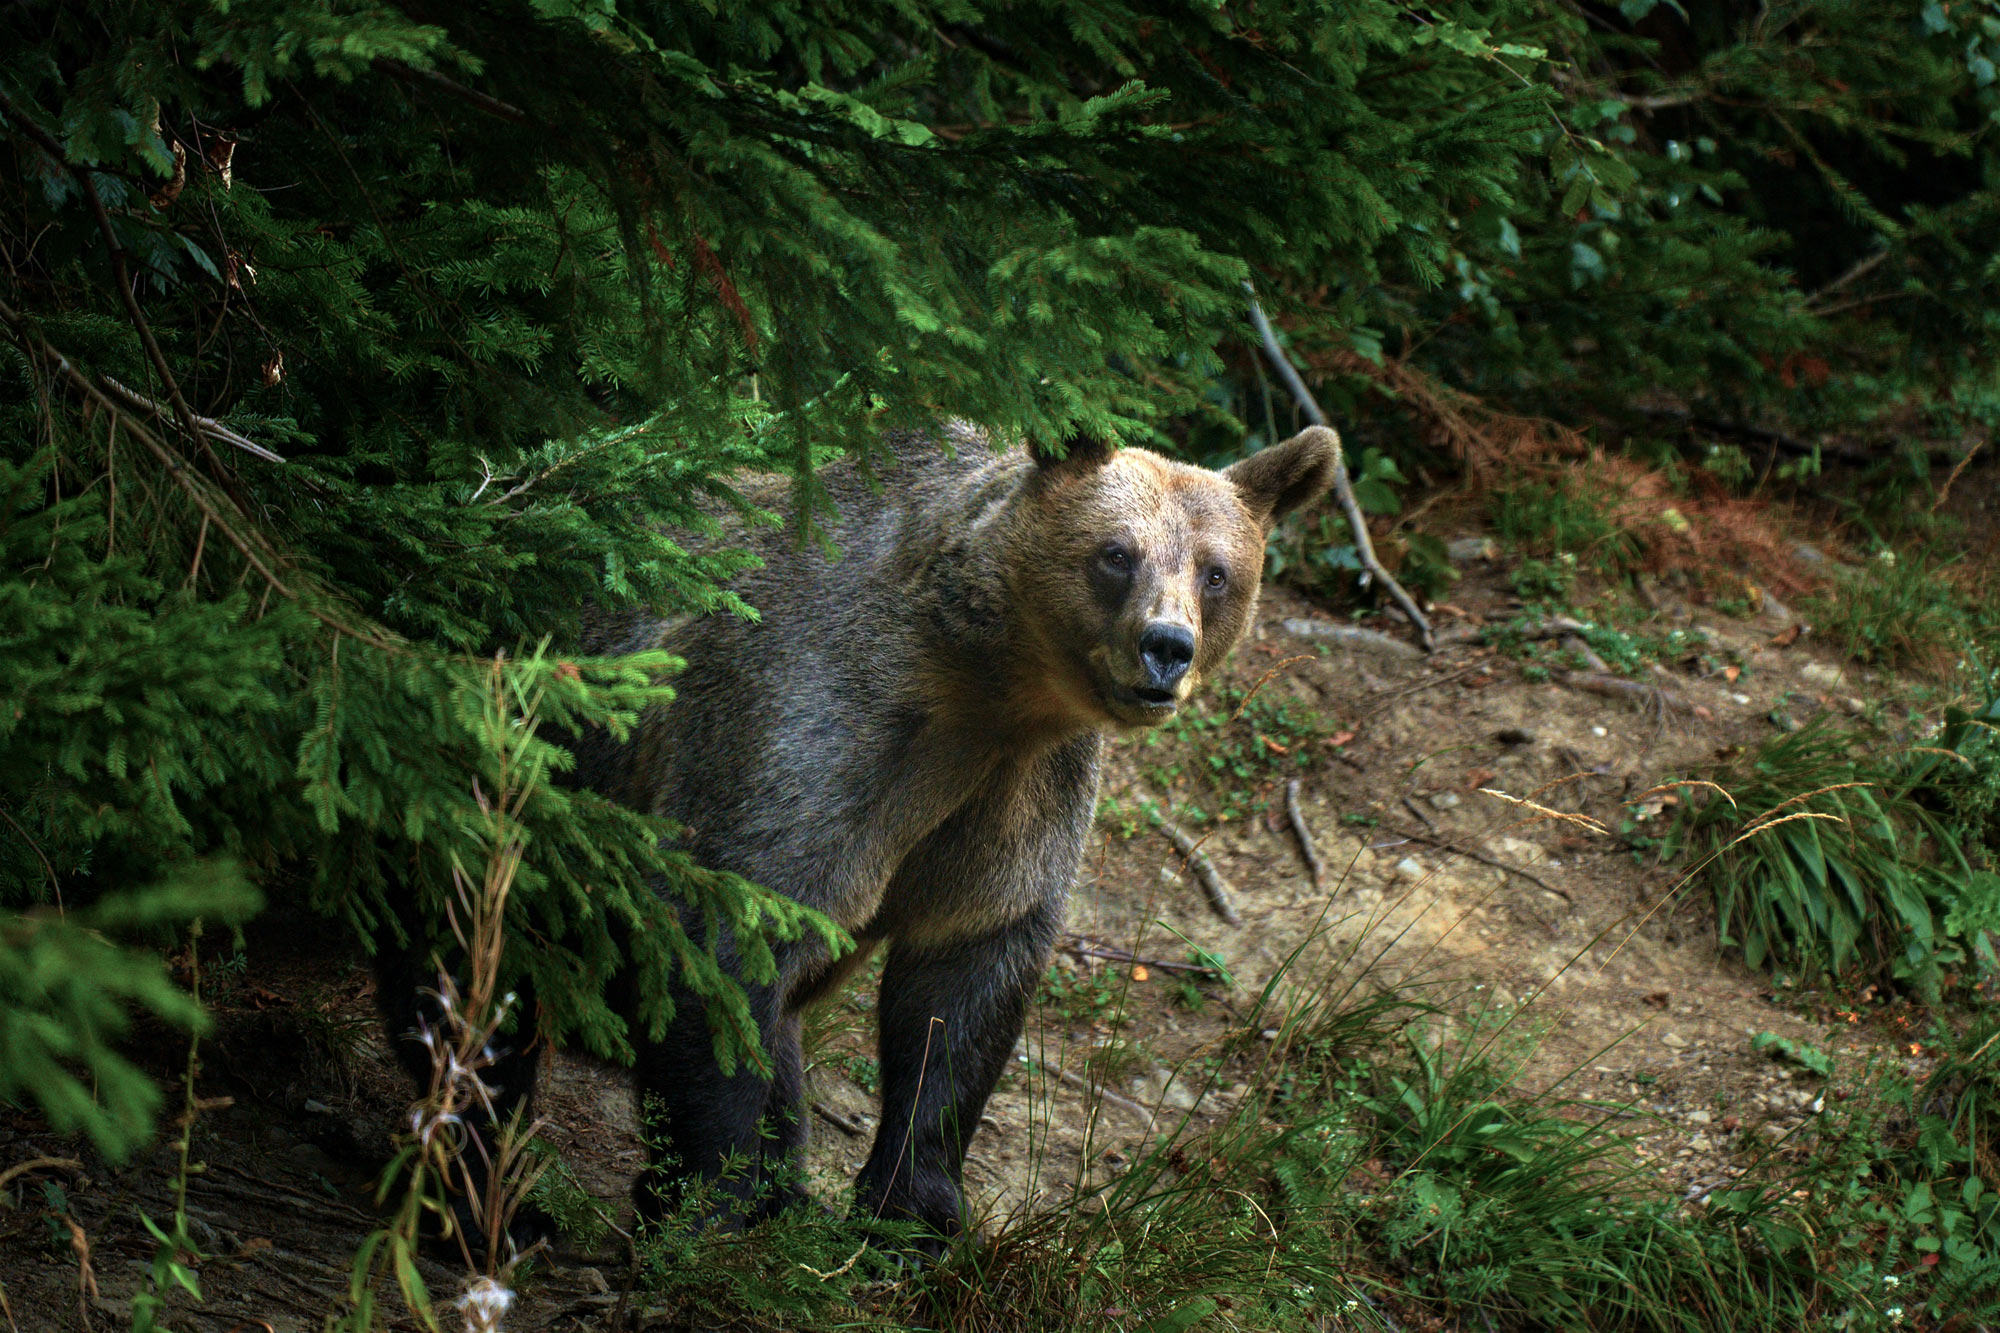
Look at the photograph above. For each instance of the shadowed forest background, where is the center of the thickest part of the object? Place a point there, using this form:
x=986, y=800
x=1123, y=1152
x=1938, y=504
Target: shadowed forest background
x=348, y=349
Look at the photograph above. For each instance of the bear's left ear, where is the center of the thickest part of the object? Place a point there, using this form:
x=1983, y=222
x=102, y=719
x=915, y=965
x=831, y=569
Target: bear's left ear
x=1080, y=454
x=1277, y=480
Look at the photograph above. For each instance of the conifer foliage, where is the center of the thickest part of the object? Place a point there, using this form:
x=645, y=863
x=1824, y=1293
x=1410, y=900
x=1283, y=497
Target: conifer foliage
x=345, y=344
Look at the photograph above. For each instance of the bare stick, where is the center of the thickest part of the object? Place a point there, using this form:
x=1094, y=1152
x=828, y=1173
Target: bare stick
x=1125, y=1104
x=208, y=426
x=38, y=1164
x=1354, y=636
x=1303, y=834
x=1418, y=811
x=1212, y=883
x=1616, y=687
x=1458, y=849
x=1111, y=953
x=1342, y=486
x=492, y=106
x=854, y=1129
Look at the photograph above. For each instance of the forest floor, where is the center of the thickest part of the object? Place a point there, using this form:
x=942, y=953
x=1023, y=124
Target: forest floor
x=1622, y=990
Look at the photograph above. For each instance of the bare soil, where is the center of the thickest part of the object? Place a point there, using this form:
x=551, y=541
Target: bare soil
x=1624, y=986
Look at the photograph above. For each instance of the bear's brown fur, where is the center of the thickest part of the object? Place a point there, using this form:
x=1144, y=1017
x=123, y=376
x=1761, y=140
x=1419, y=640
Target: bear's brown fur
x=907, y=740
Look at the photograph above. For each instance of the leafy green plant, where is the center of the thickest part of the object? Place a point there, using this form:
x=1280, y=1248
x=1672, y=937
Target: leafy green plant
x=1799, y=1053
x=1820, y=859
x=1558, y=516
x=1898, y=609
x=1229, y=750
x=1552, y=580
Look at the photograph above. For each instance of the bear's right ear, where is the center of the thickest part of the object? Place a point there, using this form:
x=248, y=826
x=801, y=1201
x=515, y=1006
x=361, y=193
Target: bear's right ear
x=1080, y=454
x=1277, y=480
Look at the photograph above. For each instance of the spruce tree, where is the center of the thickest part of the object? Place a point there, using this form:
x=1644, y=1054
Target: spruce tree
x=348, y=343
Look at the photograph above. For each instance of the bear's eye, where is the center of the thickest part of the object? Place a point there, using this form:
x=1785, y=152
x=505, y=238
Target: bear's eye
x=1116, y=556
x=1218, y=578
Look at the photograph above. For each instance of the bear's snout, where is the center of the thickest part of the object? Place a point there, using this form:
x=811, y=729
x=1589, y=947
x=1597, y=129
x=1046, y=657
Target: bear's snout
x=1165, y=652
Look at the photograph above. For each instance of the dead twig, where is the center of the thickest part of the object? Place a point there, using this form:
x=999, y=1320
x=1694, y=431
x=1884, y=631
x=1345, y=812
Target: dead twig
x=493, y=106
x=1111, y=953
x=1212, y=883
x=208, y=426
x=1433, y=682
x=854, y=1129
x=1418, y=811
x=1354, y=636
x=1297, y=819
x=1944, y=491
x=38, y=1164
x=1342, y=486
x=1446, y=844
x=1085, y=1086
x=1617, y=687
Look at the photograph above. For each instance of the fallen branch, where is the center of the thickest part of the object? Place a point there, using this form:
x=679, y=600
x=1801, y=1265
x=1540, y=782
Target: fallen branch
x=1212, y=883
x=1342, y=485
x=1125, y=1104
x=1111, y=953
x=1418, y=811
x=854, y=1129
x=1433, y=682
x=1617, y=687
x=1303, y=834
x=1446, y=844
x=1352, y=635
x=38, y=1164
x=493, y=106
x=208, y=426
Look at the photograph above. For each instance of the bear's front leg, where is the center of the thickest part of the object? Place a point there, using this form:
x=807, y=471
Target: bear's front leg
x=743, y=1132
x=949, y=1018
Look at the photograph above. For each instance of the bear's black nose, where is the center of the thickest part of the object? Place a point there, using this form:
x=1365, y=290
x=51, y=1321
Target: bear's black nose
x=1165, y=649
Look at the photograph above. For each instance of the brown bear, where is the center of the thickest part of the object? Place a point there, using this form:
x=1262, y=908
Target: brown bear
x=907, y=739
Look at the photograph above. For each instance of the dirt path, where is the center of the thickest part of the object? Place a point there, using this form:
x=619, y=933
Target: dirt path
x=1622, y=986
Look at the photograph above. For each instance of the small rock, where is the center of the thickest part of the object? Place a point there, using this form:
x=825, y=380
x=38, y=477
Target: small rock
x=1700, y=1118
x=317, y=1108
x=1600, y=731
x=1820, y=674
x=1739, y=699
x=1702, y=1143
x=1774, y=611
x=1809, y=553
x=1447, y=800
x=1674, y=1039
x=1854, y=705
x=1409, y=868
x=1465, y=550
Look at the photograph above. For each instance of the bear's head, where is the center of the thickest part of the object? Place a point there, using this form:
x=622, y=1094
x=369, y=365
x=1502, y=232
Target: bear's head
x=1139, y=573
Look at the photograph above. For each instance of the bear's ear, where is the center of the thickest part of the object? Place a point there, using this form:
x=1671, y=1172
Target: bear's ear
x=1080, y=454
x=1277, y=480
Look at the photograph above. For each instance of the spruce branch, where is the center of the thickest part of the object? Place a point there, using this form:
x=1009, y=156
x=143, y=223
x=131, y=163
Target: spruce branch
x=493, y=106
x=122, y=275
x=209, y=427
x=177, y=467
x=1343, y=487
